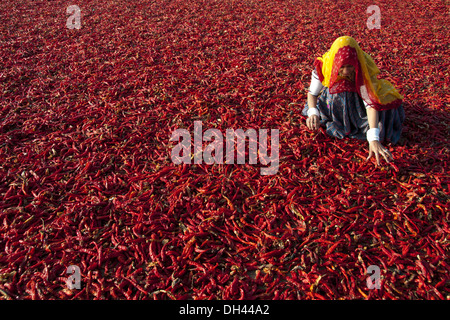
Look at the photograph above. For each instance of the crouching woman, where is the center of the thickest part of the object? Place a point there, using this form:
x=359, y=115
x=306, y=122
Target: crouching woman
x=346, y=97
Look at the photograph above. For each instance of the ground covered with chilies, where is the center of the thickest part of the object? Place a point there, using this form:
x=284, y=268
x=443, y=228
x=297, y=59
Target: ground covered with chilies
x=86, y=176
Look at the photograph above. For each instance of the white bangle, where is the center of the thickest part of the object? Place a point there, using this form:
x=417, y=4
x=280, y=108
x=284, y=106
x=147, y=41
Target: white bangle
x=373, y=134
x=312, y=111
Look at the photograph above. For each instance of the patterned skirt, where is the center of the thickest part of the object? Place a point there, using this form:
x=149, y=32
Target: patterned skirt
x=344, y=115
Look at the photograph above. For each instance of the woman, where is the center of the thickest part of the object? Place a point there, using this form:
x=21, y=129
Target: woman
x=354, y=103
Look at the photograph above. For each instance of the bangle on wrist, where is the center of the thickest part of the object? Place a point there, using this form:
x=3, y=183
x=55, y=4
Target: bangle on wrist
x=312, y=111
x=373, y=134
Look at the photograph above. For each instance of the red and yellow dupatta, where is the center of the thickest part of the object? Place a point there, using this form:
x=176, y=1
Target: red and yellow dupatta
x=377, y=93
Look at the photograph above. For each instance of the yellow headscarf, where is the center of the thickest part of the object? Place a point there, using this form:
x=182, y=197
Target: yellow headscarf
x=379, y=93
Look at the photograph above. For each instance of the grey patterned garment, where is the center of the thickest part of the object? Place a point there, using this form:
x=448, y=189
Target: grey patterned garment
x=344, y=115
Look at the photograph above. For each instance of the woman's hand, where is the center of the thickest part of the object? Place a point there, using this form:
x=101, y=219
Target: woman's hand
x=375, y=148
x=313, y=122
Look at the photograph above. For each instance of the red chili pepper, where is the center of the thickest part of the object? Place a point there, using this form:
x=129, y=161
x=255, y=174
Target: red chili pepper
x=87, y=173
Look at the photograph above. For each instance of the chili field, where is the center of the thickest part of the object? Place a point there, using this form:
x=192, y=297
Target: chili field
x=87, y=178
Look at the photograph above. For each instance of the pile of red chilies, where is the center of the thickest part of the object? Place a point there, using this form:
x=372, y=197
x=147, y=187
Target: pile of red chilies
x=86, y=176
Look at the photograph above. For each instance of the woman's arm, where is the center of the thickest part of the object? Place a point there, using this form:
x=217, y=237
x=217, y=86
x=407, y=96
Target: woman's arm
x=372, y=117
x=312, y=101
x=314, y=90
x=375, y=147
